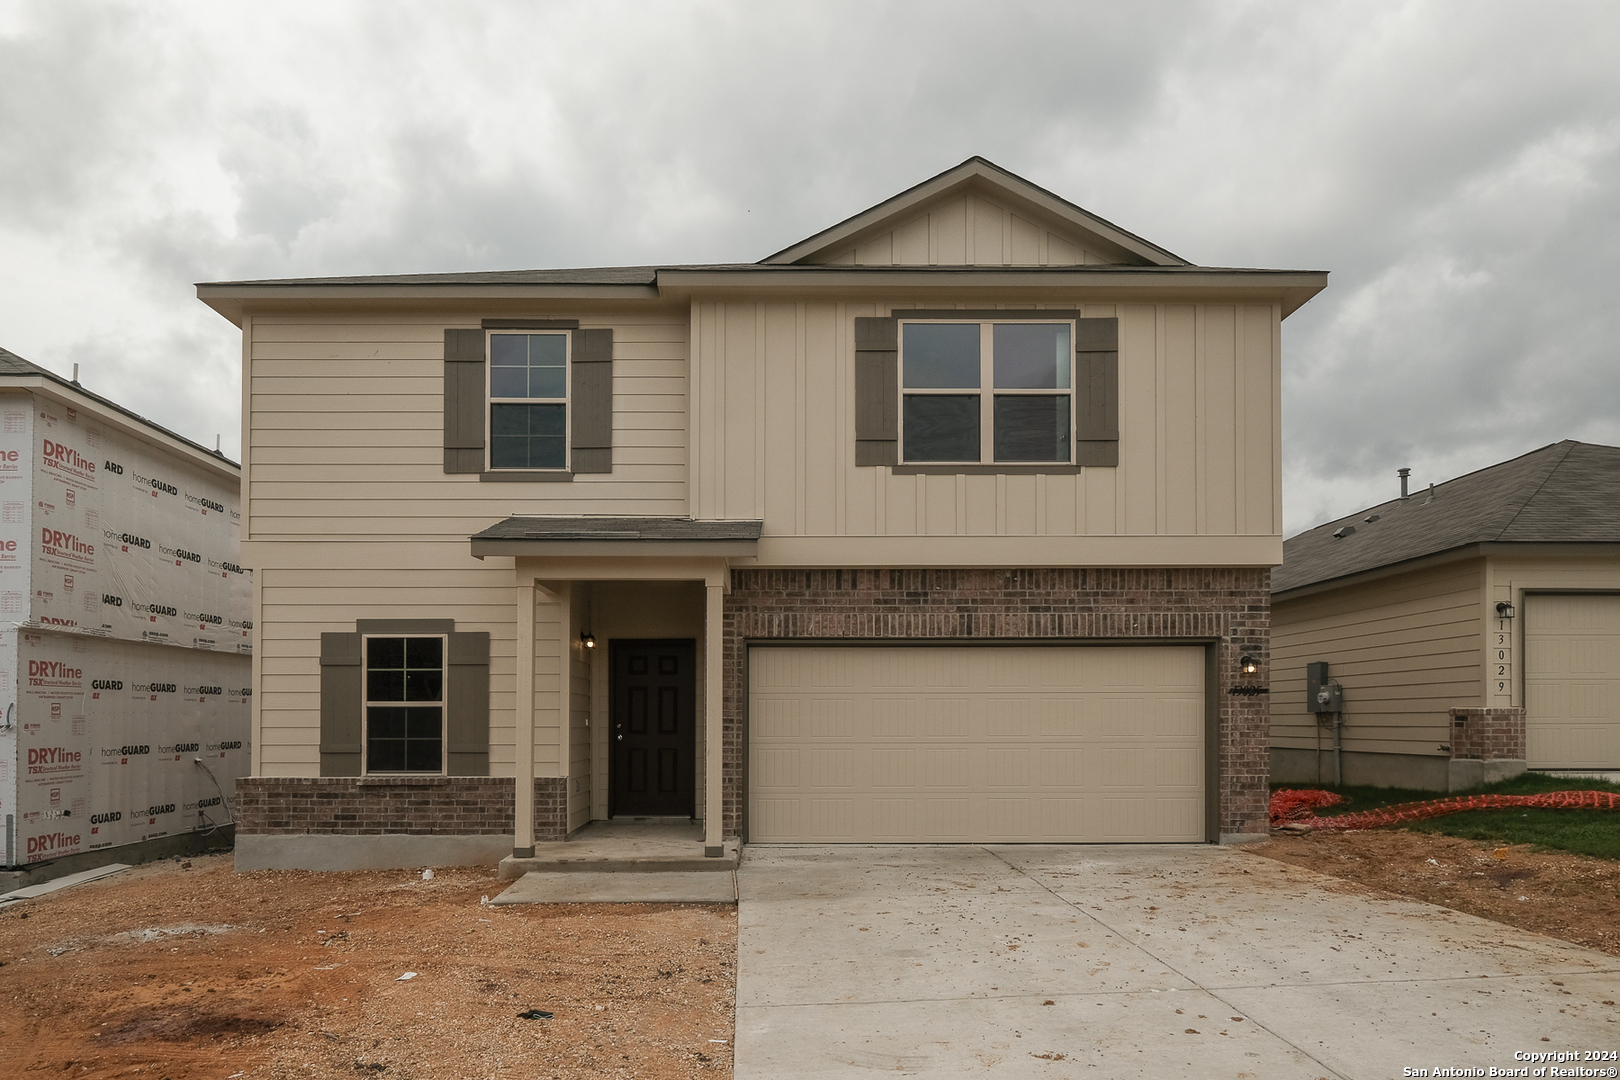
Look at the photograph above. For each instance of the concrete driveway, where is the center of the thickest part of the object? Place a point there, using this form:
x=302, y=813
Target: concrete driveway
x=1183, y=961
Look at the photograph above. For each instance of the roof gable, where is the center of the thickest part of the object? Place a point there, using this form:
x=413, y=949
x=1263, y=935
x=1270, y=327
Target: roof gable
x=1568, y=492
x=977, y=214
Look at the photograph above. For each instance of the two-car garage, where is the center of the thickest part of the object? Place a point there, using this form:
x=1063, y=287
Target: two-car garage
x=995, y=743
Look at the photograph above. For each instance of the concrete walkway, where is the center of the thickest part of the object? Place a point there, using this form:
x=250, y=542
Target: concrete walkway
x=1179, y=961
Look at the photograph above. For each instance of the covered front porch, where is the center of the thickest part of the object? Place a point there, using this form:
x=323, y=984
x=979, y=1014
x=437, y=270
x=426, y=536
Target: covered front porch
x=618, y=707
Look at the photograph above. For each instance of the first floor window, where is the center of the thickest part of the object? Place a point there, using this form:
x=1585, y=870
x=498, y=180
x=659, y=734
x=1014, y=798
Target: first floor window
x=528, y=401
x=986, y=391
x=404, y=704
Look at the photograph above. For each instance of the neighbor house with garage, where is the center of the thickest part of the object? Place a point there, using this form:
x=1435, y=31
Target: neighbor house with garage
x=1473, y=628
x=952, y=522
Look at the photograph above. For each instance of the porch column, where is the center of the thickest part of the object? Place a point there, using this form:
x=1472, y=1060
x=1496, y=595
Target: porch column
x=523, y=737
x=713, y=699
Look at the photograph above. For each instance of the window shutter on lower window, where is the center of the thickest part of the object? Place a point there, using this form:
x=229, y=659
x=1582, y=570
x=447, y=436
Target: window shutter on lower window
x=590, y=401
x=340, y=705
x=464, y=400
x=467, y=718
x=877, y=391
x=1096, y=392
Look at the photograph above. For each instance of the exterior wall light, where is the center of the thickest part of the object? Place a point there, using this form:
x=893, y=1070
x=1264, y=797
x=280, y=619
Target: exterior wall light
x=1249, y=665
x=1504, y=610
x=587, y=639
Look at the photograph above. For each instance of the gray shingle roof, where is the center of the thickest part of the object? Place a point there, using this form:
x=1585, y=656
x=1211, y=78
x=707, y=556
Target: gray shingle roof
x=1568, y=492
x=648, y=275
x=619, y=528
x=12, y=364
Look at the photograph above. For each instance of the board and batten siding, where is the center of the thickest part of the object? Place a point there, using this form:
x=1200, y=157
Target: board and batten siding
x=1406, y=649
x=972, y=230
x=773, y=403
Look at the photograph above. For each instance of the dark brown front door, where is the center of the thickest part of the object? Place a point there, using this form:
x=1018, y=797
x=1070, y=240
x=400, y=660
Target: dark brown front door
x=654, y=732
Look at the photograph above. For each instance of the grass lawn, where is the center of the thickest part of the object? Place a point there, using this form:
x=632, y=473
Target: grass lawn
x=1584, y=832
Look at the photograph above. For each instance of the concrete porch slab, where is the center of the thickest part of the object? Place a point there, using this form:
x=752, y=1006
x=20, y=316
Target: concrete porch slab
x=604, y=847
x=622, y=887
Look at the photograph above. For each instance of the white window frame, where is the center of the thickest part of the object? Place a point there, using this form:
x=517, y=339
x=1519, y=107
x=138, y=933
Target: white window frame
x=490, y=400
x=986, y=390
x=366, y=704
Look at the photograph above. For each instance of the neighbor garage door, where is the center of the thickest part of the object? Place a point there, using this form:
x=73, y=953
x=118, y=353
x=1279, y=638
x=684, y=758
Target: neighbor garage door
x=993, y=744
x=1572, y=681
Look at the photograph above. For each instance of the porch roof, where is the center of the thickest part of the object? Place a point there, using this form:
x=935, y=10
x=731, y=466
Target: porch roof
x=651, y=536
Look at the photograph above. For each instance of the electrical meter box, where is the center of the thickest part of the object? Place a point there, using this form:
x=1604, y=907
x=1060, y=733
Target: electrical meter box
x=1322, y=695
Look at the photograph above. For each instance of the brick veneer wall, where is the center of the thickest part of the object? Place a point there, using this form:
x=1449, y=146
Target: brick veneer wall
x=1232, y=607
x=1488, y=734
x=411, y=805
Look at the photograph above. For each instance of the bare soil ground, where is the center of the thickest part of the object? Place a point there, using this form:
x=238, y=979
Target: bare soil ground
x=1573, y=897
x=179, y=973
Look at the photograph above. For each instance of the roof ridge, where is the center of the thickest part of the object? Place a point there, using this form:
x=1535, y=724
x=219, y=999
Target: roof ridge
x=1566, y=446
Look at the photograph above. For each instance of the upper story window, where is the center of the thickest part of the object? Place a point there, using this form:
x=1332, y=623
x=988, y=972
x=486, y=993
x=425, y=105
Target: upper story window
x=975, y=392
x=404, y=697
x=528, y=401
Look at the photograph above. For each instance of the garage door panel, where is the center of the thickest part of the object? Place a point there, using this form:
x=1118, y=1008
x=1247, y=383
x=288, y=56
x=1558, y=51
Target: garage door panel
x=895, y=819
x=1061, y=768
x=1008, y=769
x=1010, y=817
x=829, y=718
x=1572, y=681
x=946, y=718
x=1024, y=744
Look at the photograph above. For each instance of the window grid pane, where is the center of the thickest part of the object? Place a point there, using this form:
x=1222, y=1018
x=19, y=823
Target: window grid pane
x=1022, y=422
x=404, y=735
x=528, y=413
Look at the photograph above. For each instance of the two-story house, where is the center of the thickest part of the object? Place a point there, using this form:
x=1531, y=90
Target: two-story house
x=953, y=522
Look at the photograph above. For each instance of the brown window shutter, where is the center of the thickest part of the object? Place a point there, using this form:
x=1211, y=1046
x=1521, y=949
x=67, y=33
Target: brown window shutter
x=590, y=401
x=464, y=396
x=467, y=716
x=340, y=704
x=1096, y=392
x=877, y=391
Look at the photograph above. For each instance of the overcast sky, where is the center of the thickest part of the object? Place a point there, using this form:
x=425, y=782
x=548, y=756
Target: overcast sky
x=1455, y=165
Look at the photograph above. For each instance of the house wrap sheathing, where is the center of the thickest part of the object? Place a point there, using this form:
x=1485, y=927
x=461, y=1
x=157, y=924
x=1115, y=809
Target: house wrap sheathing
x=125, y=634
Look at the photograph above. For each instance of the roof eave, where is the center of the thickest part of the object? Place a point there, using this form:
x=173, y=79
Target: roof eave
x=237, y=300
x=1476, y=550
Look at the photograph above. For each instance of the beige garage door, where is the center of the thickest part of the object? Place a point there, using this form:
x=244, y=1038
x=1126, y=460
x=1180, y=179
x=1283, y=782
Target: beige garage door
x=943, y=745
x=1572, y=682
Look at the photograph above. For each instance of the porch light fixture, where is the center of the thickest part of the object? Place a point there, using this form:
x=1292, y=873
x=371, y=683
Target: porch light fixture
x=1504, y=610
x=587, y=639
x=1249, y=665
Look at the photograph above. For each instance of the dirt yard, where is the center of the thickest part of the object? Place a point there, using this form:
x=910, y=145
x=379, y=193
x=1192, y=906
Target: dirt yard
x=1573, y=897
x=172, y=972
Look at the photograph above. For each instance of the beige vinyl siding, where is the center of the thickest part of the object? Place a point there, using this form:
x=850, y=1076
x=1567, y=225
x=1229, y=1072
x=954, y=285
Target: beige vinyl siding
x=1406, y=649
x=1199, y=411
x=346, y=431
x=971, y=230
x=297, y=605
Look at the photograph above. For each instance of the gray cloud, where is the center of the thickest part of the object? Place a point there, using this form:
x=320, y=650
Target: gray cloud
x=1454, y=166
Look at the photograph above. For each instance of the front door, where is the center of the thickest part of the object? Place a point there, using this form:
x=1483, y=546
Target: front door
x=654, y=734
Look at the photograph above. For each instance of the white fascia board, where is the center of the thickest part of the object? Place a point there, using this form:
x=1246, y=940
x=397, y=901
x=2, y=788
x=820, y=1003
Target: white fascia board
x=236, y=301
x=1290, y=287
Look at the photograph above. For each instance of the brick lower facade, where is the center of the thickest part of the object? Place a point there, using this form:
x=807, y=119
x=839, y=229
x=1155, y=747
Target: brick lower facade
x=1488, y=734
x=1229, y=607
x=408, y=805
